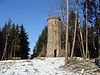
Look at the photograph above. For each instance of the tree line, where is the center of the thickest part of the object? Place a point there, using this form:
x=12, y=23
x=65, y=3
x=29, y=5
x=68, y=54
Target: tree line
x=83, y=23
x=13, y=41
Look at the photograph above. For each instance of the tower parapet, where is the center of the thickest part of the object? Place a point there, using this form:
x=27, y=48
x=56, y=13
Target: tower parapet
x=52, y=17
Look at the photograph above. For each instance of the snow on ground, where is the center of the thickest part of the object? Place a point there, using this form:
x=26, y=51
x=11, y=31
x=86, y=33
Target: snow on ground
x=37, y=66
x=49, y=66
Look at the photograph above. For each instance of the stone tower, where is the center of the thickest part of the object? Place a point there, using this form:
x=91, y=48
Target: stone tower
x=54, y=37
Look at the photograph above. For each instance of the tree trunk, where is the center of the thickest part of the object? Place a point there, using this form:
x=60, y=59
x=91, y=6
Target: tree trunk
x=12, y=50
x=79, y=39
x=5, y=48
x=83, y=51
x=99, y=32
x=99, y=44
x=87, y=52
x=76, y=22
x=15, y=49
x=67, y=25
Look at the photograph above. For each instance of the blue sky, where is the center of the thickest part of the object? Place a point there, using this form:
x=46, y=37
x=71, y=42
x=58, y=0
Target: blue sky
x=32, y=13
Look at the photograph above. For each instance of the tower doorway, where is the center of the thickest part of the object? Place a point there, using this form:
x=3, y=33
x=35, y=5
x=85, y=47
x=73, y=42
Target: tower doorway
x=55, y=53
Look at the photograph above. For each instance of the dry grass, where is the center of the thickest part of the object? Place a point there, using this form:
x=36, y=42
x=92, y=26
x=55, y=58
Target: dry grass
x=77, y=65
x=41, y=58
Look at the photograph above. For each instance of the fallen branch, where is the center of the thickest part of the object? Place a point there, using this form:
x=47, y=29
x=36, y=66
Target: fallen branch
x=94, y=70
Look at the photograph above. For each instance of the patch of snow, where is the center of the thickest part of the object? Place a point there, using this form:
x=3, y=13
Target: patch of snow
x=46, y=66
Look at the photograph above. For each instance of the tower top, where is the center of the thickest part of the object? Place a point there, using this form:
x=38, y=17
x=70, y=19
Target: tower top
x=52, y=17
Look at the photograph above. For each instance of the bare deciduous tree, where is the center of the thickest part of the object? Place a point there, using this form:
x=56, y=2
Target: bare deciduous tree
x=67, y=25
x=87, y=52
x=76, y=23
x=83, y=50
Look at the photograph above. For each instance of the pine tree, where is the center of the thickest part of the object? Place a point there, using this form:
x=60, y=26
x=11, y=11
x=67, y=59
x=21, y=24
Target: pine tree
x=24, y=44
x=97, y=25
x=11, y=39
x=17, y=42
x=6, y=34
x=14, y=42
x=1, y=46
x=41, y=44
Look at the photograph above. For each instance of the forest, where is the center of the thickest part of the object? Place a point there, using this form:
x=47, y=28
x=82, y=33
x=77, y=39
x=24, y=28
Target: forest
x=13, y=41
x=38, y=40
x=80, y=29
